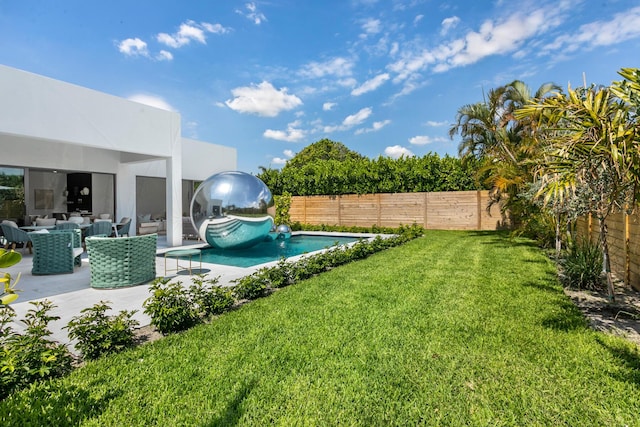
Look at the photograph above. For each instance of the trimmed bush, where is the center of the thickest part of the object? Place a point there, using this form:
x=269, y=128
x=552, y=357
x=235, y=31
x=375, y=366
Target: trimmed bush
x=30, y=357
x=99, y=334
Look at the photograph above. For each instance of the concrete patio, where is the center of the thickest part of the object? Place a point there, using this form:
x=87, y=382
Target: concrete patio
x=71, y=293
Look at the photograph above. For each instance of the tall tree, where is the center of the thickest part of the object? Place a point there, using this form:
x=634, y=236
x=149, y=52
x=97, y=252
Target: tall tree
x=591, y=154
x=500, y=142
x=325, y=149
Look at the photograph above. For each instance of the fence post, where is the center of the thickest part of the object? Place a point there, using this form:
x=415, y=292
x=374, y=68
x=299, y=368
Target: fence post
x=426, y=208
x=479, y=203
x=304, y=209
x=627, y=250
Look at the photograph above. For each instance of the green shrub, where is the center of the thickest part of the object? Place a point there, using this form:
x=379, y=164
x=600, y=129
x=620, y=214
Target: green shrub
x=582, y=265
x=209, y=298
x=99, y=334
x=29, y=357
x=278, y=276
x=250, y=287
x=170, y=307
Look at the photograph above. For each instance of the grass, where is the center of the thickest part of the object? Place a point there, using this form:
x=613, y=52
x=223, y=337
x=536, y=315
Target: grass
x=456, y=328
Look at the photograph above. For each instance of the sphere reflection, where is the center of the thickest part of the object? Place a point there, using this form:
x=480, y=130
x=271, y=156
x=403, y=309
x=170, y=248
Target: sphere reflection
x=232, y=210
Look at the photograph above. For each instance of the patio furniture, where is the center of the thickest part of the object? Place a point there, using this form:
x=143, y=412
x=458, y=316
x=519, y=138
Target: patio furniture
x=121, y=261
x=182, y=253
x=67, y=226
x=45, y=221
x=14, y=236
x=55, y=251
x=123, y=228
x=98, y=228
x=147, y=228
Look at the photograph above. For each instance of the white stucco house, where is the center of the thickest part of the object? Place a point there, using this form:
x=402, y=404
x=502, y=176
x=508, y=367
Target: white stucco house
x=52, y=131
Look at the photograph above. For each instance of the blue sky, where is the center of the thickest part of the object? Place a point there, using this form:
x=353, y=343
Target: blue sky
x=384, y=77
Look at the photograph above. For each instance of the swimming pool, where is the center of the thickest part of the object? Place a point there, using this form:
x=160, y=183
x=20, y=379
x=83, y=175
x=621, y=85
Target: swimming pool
x=273, y=250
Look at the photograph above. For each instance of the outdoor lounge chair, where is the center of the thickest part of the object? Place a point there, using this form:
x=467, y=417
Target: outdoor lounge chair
x=56, y=251
x=67, y=226
x=121, y=261
x=98, y=228
x=14, y=236
x=123, y=230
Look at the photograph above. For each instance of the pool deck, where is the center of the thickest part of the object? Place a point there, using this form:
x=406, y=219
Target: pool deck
x=71, y=293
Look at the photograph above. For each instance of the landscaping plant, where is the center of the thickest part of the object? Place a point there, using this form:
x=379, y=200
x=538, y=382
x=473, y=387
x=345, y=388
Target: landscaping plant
x=208, y=298
x=582, y=265
x=171, y=308
x=30, y=356
x=99, y=334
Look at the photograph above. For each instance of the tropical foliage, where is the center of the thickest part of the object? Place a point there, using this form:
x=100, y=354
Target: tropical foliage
x=589, y=155
x=502, y=144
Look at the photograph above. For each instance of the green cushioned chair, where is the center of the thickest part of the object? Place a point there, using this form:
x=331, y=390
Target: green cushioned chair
x=56, y=252
x=14, y=236
x=117, y=262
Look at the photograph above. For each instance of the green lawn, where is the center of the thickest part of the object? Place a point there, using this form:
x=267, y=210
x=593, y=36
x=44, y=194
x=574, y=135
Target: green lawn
x=455, y=328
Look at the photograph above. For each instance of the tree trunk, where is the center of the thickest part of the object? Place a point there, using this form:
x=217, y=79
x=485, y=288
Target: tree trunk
x=558, y=239
x=606, y=262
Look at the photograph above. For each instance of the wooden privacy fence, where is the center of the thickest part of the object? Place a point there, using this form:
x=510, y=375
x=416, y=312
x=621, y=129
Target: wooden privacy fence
x=454, y=210
x=623, y=239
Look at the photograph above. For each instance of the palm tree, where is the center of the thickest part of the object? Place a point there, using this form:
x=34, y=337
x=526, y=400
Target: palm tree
x=502, y=143
x=590, y=154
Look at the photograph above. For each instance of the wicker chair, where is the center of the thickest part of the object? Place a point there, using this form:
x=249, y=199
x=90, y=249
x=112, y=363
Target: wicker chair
x=121, y=261
x=98, y=228
x=14, y=236
x=56, y=252
x=67, y=226
x=123, y=230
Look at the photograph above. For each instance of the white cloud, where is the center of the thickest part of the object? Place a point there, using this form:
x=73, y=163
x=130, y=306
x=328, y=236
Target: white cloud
x=282, y=161
x=395, y=47
x=292, y=134
x=424, y=140
x=357, y=118
x=433, y=123
x=263, y=100
x=624, y=26
x=417, y=19
x=252, y=13
x=190, y=31
x=497, y=37
x=350, y=121
x=336, y=67
x=371, y=84
x=133, y=47
x=371, y=26
x=152, y=101
x=278, y=161
x=396, y=151
x=164, y=56
x=376, y=127
x=327, y=106
x=449, y=23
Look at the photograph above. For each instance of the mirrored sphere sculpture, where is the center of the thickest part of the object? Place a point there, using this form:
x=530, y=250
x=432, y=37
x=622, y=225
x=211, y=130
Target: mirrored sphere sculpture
x=232, y=210
x=283, y=232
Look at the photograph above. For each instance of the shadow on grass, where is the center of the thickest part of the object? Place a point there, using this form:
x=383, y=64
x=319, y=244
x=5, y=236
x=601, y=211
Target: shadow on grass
x=567, y=317
x=502, y=238
x=627, y=356
x=234, y=410
x=50, y=403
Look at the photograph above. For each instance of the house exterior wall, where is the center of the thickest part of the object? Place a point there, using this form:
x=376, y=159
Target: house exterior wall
x=49, y=124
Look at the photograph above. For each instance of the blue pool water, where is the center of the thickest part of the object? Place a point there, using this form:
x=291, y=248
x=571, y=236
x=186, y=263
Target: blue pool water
x=269, y=251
